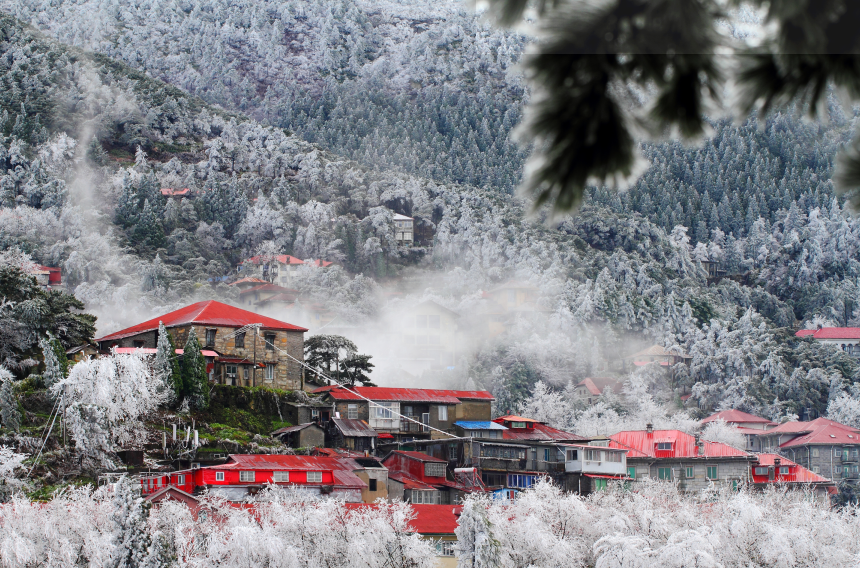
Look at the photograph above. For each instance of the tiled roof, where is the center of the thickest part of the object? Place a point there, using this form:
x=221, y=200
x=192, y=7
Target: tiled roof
x=824, y=431
x=642, y=444
x=596, y=385
x=479, y=425
x=796, y=473
x=831, y=333
x=732, y=416
x=205, y=313
x=406, y=395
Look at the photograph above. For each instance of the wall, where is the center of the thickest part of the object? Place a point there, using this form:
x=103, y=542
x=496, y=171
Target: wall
x=395, y=490
x=826, y=461
x=381, y=477
x=727, y=470
x=311, y=437
x=472, y=410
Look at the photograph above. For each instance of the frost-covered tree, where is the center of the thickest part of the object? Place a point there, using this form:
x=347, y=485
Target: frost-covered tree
x=131, y=537
x=720, y=431
x=56, y=364
x=195, y=382
x=477, y=546
x=11, y=464
x=10, y=416
x=164, y=365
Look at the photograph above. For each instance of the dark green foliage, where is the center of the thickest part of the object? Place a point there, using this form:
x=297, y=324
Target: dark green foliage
x=195, y=382
x=357, y=369
x=325, y=354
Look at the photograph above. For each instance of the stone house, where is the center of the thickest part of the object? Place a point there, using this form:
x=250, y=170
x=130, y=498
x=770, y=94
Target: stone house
x=823, y=446
x=673, y=455
x=270, y=354
x=309, y=435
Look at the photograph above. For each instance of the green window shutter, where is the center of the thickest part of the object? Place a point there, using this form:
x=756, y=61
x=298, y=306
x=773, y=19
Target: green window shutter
x=690, y=474
x=631, y=472
x=712, y=472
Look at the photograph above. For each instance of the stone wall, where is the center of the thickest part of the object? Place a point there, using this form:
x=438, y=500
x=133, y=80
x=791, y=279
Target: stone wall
x=727, y=470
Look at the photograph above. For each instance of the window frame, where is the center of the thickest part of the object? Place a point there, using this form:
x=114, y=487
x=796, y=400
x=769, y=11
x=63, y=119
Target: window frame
x=269, y=375
x=269, y=338
x=690, y=472
x=219, y=476
x=664, y=446
x=280, y=476
x=317, y=477
x=661, y=473
x=712, y=475
x=631, y=471
x=239, y=341
x=443, y=412
x=211, y=332
x=372, y=484
x=247, y=476
x=352, y=411
x=760, y=470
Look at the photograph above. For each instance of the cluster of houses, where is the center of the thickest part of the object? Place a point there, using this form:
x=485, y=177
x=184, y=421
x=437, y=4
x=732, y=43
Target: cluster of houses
x=432, y=447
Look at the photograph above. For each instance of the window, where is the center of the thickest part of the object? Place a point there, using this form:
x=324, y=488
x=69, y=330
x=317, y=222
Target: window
x=383, y=410
x=180, y=480
x=546, y=454
x=425, y=497
x=281, y=476
x=240, y=340
x=371, y=485
x=837, y=452
x=270, y=341
x=230, y=372
x=452, y=452
x=520, y=480
x=815, y=452
x=592, y=455
x=572, y=455
x=138, y=344
x=219, y=476
x=433, y=322
x=816, y=469
x=784, y=470
x=210, y=337
x=631, y=472
x=664, y=473
x=314, y=477
x=435, y=469
x=664, y=445
x=420, y=321
x=247, y=476
x=614, y=457
x=518, y=424
x=712, y=472
x=493, y=479
x=838, y=469
x=503, y=452
x=599, y=484
x=854, y=452
x=352, y=411
x=445, y=548
x=270, y=373
x=759, y=471
x=690, y=473
x=443, y=413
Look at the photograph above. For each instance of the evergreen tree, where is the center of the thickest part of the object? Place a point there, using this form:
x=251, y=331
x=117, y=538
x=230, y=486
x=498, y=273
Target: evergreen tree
x=56, y=363
x=163, y=367
x=478, y=548
x=194, y=379
x=131, y=541
x=148, y=232
x=9, y=414
x=357, y=369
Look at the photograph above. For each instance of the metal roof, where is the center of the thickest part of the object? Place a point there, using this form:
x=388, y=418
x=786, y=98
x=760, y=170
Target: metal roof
x=405, y=395
x=414, y=455
x=479, y=425
x=409, y=481
x=596, y=385
x=823, y=431
x=428, y=519
x=796, y=472
x=644, y=444
x=286, y=462
x=291, y=429
x=205, y=313
x=354, y=428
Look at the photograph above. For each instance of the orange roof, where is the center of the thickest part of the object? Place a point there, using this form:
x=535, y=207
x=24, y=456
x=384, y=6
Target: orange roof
x=248, y=280
x=282, y=258
x=514, y=418
x=205, y=313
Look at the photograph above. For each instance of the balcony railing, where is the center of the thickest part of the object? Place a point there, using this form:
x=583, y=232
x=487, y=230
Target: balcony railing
x=849, y=458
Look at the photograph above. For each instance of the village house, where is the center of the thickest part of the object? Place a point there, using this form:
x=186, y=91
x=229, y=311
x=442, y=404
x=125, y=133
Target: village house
x=655, y=354
x=747, y=424
x=279, y=269
x=308, y=435
x=245, y=475
x=353, y=435
x=823, y=446
x=270, y=354
x=589, y=467
x=403, y=229
x=773, y=469
x=421, y=479
x=845, y=338
x=429, y=336
x=590, y=389
x=429, y=410
x=46, y=276
x=673, y=455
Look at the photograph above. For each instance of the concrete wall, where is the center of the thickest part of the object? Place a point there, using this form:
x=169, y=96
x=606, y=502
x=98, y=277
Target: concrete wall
x=311, y=437
x=395, y=490
x=826, y=463
x=381, y=477
x=727, y=470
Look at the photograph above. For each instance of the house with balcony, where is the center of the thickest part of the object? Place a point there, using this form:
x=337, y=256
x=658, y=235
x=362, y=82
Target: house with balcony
x=590, y=468
x=845, y=338
x=406, y=414
x=676, y=456
x=268, y=354
x=823, y=446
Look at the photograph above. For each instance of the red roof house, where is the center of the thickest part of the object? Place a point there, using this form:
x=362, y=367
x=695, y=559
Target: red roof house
x=741, y=419
x=845, y=338
x=775, y=469
x=419, y=478
x=520, y=428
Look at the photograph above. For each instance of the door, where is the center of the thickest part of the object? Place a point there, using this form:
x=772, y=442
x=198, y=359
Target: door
x=425, y=420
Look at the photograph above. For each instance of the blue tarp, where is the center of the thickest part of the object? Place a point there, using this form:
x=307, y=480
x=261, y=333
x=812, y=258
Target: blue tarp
x=479, y=425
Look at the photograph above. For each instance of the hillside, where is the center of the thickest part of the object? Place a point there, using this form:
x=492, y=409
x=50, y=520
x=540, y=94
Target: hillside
x=95, y=140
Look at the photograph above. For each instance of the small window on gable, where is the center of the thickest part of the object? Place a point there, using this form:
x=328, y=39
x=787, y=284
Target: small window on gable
x=314, y=477
x=518, y=424
x=664, y=445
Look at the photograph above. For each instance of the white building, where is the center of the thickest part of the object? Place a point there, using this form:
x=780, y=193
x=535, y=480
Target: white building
x=845, y=338
x=598, y=460
x=403, y=229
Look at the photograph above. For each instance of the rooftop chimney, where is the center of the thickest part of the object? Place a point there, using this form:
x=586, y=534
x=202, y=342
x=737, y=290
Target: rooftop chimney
x=649, y=428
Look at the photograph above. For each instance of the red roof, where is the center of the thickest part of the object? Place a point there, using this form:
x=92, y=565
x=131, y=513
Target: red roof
x=205, y=313
x=282, y=258
x=281, y=462
x=320, y=263
x=168, y=191
x=538, y=431
x=248, y=280
x=405, y=395
x=796, y=473
x=596, y=385
x=822, y=431
x=409, y=481
x=736, y=416
x=429, y=519
x=514, y=418
x=831, y=333
x=642, y=444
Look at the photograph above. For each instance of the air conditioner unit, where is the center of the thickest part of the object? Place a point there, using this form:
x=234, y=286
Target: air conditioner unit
x=195, y=465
